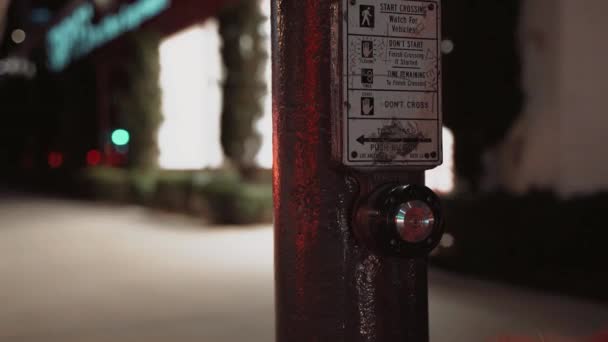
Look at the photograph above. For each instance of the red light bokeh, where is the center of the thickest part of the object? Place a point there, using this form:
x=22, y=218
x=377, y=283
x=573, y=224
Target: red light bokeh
x=93, y=158
x=55, y=160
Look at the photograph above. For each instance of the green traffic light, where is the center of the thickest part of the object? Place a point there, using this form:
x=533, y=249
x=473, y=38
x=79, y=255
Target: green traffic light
x=120, y=137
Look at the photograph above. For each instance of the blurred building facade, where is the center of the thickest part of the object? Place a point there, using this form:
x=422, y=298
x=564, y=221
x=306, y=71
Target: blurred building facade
x=558, y=141
x=70, y=109
x=537, y=120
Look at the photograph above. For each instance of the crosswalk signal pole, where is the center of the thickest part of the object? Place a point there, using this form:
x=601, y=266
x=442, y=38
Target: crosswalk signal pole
x=356, y=122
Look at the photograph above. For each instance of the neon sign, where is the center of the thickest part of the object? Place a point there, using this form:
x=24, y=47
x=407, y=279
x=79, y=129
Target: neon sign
x=76, y=35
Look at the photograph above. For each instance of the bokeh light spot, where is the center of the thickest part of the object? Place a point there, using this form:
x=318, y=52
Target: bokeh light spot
x=55, y=160
x=18, y=36
x=120, y=137
x=93, y=158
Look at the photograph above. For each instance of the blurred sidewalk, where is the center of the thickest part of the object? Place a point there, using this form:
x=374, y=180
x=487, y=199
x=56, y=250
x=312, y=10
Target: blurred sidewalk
x=72, y=271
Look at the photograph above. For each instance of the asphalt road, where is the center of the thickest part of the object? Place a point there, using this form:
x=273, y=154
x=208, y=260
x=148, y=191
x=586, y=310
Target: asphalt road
x=73, y=271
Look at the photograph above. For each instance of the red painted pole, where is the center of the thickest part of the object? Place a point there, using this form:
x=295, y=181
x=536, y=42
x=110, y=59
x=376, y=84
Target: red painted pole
x=329, y=287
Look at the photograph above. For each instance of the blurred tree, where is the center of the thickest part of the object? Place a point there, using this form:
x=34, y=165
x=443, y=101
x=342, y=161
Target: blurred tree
x=140, y=100
x=244, y=55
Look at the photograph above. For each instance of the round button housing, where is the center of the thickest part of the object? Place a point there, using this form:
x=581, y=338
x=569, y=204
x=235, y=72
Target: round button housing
x=400, y=220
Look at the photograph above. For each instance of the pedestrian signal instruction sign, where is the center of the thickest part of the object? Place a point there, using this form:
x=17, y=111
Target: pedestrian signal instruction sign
x=391, y=83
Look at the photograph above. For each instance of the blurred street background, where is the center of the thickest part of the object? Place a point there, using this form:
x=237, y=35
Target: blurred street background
x=136, y=183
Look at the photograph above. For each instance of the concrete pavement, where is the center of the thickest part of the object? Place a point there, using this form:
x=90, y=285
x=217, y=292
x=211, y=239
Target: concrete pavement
x=72, y=271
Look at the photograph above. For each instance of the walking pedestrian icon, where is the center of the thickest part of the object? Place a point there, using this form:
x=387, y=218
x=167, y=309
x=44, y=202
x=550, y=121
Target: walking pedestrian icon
x=366, y=16
x=367, y=106
x=367, y=49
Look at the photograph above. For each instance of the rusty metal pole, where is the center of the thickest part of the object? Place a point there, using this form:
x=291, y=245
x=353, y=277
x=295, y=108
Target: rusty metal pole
x=329, y=287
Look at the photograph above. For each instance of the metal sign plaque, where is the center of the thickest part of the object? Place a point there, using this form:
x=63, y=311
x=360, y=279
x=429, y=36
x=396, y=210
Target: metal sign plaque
x=391, y=83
